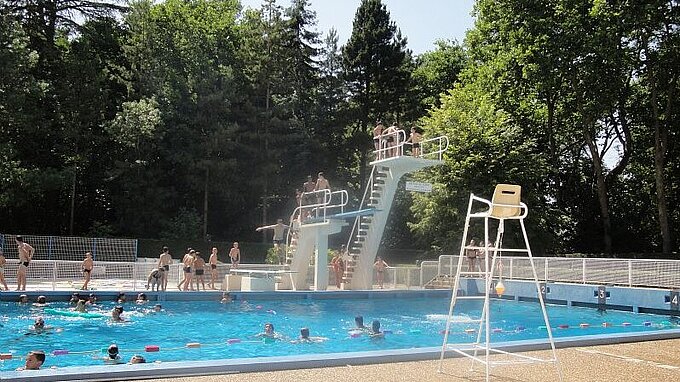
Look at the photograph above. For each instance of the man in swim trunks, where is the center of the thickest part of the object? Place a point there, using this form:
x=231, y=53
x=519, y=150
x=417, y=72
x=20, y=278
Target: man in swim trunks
x=415, y=138
x=213, y=267
x=377, y=133
x=380, y=265
x=164, y=262
x=279, y=238
x=88, y=265
x=235, y=255
x=3, y=261
x=187, y=261
x=25, y=255
x=199, y=267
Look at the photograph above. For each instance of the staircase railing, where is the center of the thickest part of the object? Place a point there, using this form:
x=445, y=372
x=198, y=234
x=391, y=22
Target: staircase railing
x=434, y=148
x=357, y=221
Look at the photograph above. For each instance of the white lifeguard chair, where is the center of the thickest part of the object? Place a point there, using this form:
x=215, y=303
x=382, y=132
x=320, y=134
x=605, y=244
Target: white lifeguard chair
x=505, y=205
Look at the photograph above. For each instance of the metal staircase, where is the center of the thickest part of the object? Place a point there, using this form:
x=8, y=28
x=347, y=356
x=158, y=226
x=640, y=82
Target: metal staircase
x=367, y=231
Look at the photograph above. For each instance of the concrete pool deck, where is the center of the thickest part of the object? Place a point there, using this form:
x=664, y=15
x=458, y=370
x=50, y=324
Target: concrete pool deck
x=651, y=361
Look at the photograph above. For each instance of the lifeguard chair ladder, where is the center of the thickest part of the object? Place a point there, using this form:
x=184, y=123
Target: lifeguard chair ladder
x=505, y=205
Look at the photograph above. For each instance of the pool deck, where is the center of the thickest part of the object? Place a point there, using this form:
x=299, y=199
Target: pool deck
x=640, y=362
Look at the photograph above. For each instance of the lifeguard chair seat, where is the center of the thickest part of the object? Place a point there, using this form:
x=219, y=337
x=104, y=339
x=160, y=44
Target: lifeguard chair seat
x=505, y=196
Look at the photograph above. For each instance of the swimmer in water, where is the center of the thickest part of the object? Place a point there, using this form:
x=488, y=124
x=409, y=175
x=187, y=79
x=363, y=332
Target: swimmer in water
x=137, y=359
x=39, y=327
x=157, y=308
x=268, y=332
x=141, y=299
x=23, y=299
x=80, y=306
x=112, y=355
x=116, y=314
x=305, y=338
x=121, y=298
x=375, y=330
x=41, y=301
x=226, y=298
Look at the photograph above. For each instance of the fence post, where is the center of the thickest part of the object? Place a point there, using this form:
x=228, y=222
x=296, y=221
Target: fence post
x=630, y=273
x=451, y=258
x=510, y=267
x=546, y=270
x=54, y=276
x=583, y=270
x=134, y=276
x=408, y=278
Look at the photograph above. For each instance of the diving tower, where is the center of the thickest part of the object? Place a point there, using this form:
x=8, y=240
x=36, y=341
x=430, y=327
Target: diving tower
x=312, y=222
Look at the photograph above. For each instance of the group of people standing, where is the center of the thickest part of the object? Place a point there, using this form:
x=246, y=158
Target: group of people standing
x=193, y=266
x=387, y=139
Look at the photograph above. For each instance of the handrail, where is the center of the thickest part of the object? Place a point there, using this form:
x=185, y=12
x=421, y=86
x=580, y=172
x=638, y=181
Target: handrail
x=383, y=153
x=357, y=221
x=523, y=207
x=440, y=145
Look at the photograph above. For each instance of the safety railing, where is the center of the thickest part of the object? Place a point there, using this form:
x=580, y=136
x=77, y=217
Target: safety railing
x=627, y=272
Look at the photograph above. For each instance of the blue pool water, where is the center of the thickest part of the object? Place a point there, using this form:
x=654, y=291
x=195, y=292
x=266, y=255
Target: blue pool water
x=411, y=322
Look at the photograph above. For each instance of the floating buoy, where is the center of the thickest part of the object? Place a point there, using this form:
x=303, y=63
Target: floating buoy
x=607, y=324
x=563, y=326
x=4, y=356
x=584, y=325
x=647, y=323
x=626, y=324
x=500, y=288
x=60, y=352
x=151, y=348
x=469, y=331
x=193, y=345
x=496, y=330
x=233, y=340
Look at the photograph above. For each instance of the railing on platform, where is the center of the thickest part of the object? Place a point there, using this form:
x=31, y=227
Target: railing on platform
x=627, y=272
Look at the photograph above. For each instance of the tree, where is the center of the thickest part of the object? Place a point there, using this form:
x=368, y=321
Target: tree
x=374, y=60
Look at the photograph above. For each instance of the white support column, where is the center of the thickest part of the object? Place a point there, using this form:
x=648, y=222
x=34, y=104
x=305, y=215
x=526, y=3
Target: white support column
x=321, y=262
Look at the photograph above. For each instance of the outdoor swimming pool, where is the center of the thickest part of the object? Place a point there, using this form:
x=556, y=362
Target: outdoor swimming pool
x=227, y=330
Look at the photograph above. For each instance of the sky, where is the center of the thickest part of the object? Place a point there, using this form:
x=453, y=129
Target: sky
x=421, y=21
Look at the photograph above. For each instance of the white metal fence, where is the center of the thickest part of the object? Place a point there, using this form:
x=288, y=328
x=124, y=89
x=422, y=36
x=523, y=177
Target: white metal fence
x=628, y=272
x=55, y=274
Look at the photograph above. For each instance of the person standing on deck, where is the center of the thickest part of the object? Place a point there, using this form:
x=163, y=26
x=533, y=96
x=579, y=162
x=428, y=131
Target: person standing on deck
x=188, y=262
x=380, y=265
x=199, y=267
x=26, y=253
x=235, y=255
x=88, y=265
x=213, y=267
x=164, y=261
x=3, y=261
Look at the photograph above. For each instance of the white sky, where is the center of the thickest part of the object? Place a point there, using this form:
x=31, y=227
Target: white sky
x=421, y=21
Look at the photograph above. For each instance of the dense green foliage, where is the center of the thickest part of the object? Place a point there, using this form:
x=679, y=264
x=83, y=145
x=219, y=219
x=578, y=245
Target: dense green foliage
x=193, y=119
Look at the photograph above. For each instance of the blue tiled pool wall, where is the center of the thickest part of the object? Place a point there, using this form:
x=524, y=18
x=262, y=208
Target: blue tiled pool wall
x=638, y=300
